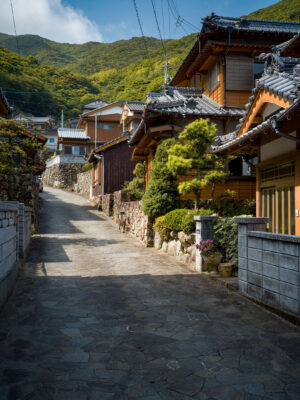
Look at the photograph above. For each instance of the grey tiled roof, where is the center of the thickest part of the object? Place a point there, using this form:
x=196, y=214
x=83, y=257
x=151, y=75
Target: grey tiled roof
x=227, y=141
x=283, y=84
x=188, y=101
x=282, y=47
x=135, y=105
x=251, y=25
x=68, y=133
x=95, y=104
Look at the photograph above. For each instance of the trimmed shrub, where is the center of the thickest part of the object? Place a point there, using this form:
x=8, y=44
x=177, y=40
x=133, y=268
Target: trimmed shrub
x=175, y=218
x=87, y=167
x=226, y=231
x=161, y=228
x=188, y=224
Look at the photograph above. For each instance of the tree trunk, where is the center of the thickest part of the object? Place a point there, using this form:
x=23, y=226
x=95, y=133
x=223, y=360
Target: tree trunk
x=197, y=199
x=213, y=187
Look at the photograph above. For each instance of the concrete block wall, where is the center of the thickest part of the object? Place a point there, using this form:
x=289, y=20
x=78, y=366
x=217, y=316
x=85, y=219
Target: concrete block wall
x=269, y=267
x=24, y=229
x=8, y=248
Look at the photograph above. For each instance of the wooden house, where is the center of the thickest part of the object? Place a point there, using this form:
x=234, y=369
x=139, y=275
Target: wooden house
x=270, y=131
x=112, y=165
x=132, y=115
x=214, y=82
x=101, y=124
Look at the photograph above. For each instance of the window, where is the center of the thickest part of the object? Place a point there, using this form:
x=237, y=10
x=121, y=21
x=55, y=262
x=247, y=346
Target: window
x=68, y=150
x=78, y=150
x=51, y=140
x=258, y=70
x=105, y=126
x=213, y=77
x=239, y=73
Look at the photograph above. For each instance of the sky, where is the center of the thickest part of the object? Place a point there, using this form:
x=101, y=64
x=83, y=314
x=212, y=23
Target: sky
x=80, y=21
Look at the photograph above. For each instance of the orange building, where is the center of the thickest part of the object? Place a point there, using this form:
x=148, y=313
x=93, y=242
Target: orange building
x=270, y=130
x=213, y=82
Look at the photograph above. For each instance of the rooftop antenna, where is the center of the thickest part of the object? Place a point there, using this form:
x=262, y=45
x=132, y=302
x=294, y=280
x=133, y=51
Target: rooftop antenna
x=166, y=68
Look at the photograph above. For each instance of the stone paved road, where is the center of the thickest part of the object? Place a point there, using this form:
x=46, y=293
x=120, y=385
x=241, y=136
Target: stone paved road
x=95, y=316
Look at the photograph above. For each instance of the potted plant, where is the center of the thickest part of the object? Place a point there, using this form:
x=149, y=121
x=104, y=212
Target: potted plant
x=211, y=258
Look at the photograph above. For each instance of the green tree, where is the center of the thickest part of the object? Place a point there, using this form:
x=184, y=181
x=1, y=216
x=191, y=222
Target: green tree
x=191, y=155
x=136, y=187
x=161, y=194
x=17, y=153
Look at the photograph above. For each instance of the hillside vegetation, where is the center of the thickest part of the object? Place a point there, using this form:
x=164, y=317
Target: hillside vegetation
x=50, y=76
x=43, y=89
x=284, y=10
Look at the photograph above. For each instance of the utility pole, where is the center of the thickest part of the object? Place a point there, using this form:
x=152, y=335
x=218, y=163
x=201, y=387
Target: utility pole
x=62, y=118
x=166, y=68
x=95, y=132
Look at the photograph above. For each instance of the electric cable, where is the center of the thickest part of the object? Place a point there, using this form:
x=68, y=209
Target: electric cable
x=16, y=36
x=158, y=28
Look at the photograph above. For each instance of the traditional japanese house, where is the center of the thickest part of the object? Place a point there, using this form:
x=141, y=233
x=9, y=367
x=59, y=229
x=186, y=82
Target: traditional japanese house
x=213, y=82
x=101, y=124
x=132, y=115
x=270, y=131
x=73, y=141
x=112, y=165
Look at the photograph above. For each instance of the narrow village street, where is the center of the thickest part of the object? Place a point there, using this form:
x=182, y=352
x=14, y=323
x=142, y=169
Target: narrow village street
x=96, y=315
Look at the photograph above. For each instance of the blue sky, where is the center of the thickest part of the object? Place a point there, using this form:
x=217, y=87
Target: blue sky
x=79, y=21
x=117, y=19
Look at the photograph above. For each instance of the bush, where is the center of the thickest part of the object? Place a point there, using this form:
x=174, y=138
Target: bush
x=175, y=218
x=161, y=193
x=188, y=225
x=136, y=187
x=226, y=231
x=161, y=228
x=87, y=167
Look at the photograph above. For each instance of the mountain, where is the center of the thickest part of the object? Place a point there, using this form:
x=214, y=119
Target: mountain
x=42, y=89
x=284, y=10
x=86, y=58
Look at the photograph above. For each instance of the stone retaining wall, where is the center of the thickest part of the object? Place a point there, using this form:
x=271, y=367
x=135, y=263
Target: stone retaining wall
x=179, y=245
x=15, y=235
x=269, y=266
x=62, y=176
x=8, y=248
x=84, y=183
x=133, y=219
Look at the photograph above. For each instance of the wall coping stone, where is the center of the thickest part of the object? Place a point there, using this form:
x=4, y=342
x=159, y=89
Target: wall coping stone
x=275, y=236
x=251, y=220
x=201, y=218
x=9, y=206
x=66, y=159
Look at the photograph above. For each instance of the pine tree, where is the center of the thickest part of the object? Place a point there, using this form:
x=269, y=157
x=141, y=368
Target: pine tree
x=191, y=154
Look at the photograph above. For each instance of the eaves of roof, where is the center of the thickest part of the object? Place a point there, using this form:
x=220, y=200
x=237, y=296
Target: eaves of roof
x=231, y=140
x=105, y=107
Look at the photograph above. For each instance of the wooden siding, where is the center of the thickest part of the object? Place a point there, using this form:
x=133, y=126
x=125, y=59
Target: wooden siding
x=239, y=73
x=244, y=187
x=236, y=98
x=118, y=167
x=103, y=135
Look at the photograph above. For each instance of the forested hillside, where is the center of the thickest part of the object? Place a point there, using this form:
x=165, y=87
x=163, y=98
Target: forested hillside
x=41, y=89
x=284, y=10
x=86, y=58
x=50, y=76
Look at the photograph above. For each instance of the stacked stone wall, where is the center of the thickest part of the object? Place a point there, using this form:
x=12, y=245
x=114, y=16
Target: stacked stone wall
x=84, y=182
x=8, y=248
x=62, y=176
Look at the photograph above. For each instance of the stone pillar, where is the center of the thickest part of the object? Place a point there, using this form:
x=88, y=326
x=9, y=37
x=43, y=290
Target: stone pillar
x=245, y=225
x=204, y=231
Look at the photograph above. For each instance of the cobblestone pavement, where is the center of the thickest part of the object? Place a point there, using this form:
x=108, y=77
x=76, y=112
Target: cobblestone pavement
x=95, y=315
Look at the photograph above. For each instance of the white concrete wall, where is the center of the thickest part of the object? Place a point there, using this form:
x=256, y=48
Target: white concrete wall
x=65, y=159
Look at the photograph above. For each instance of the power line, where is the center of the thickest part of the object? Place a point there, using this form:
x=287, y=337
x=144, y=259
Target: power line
x=13, y=16
x=158, y=28
x=140, y=25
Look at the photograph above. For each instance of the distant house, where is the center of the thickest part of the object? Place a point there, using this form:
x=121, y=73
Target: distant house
x=214, y=82
x=270, y=130
x=73, y=142
x=40, y=123
x=112, y=165
x=132, y=115
x=102, y=124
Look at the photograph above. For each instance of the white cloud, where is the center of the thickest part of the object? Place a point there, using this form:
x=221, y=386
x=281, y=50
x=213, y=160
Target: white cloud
x=50, y=19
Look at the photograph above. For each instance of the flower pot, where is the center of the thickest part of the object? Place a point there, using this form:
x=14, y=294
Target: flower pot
x=211, y=262
x=225, y=269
